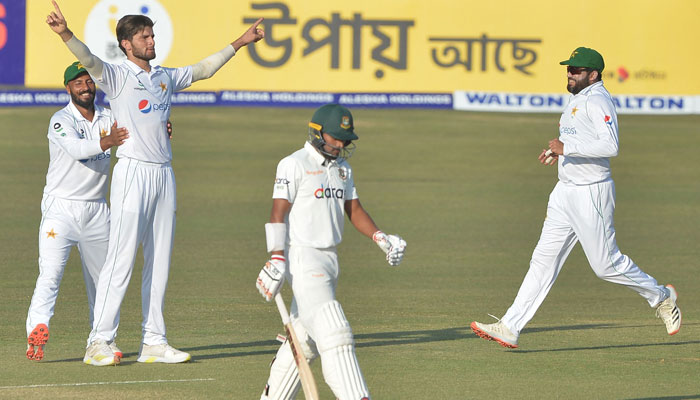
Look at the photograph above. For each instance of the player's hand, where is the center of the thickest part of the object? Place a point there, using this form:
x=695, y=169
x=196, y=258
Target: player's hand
x=57, y=22
x=169, y=128
x=271, y=277
x=116, y=137
x=547, y=157
x=392, y=245
x=557, y=146
x=252, y=35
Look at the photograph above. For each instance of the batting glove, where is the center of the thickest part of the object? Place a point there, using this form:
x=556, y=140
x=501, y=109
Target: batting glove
x=392, y=245
x=271, y=277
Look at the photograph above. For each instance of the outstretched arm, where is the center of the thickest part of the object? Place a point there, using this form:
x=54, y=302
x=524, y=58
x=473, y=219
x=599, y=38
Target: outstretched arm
x=206, y=68
x=57, y=23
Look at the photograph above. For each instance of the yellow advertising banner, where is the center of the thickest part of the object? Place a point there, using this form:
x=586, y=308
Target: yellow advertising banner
x=392, y=46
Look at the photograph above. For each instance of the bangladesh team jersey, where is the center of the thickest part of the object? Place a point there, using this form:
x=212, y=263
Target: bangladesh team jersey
x=318, y=190
x=140, y=102
x=78, y=167
x=588, y=129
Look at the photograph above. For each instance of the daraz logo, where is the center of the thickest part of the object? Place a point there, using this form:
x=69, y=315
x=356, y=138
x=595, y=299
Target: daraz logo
x=328, y=193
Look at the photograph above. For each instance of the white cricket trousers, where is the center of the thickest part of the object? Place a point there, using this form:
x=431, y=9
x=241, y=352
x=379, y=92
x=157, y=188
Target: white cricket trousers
x=143, y=212
x=578, y=214
x=64, y=224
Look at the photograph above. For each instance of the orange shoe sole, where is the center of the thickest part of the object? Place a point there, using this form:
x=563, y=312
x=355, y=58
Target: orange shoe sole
x=36, y=340
x=486, y=336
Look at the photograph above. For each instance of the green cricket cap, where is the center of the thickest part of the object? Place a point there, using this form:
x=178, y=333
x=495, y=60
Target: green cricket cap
x=586, y=58
x=73, y=71
x=334, y=120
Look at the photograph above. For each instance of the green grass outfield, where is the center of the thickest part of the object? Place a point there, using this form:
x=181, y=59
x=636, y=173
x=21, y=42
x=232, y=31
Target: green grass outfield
x=467, y=193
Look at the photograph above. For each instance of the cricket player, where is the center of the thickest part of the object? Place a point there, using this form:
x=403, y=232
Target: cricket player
x=143, y=184
x=581, y=207
x=314, y=189
x=73, y=208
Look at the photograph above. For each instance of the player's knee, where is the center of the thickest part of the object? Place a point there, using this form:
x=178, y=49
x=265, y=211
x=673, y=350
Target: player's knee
x=307, y=344
x=331, y=327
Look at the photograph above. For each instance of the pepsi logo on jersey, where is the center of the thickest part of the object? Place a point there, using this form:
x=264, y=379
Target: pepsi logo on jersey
x=145, y=106
x=329, y=193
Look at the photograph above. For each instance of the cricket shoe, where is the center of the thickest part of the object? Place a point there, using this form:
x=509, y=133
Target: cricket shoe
x=36, y=341
x=99, y=354
x=669, y=312
x=117, y=353
x=162, y=353
x=498, y=332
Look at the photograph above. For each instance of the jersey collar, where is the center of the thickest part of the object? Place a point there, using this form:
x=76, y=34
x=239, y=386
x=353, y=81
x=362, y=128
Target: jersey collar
x=586, y=91
x=137, y=70
x=99, y=112
x=313, y=153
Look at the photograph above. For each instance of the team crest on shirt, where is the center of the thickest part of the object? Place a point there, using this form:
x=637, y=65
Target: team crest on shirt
x=163, y=87
x=573, y=111
x=103, y=133
x=51, y=234
x=608, y=120
x=342, y=174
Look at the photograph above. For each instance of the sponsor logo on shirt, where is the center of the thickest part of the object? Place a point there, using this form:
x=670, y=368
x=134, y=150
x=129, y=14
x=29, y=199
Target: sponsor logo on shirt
x=329, y=193
x=320, y=171
x=145, y=106
x=608, y=120
x=281, y=181
x=101, y=156
x=567, y=130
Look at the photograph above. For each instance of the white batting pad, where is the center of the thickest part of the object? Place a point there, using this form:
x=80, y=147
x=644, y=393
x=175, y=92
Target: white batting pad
x=336, y=345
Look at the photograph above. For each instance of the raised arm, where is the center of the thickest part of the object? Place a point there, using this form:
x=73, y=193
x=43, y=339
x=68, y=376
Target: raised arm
x=57, y=23
x=206, y=68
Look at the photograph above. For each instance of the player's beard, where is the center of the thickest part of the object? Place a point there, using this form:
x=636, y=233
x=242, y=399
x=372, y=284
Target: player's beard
x=143, y=54
x=77, y=100
x=578, y=85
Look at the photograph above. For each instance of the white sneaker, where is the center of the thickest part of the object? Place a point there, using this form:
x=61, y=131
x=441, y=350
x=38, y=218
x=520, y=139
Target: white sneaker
x=99, y=354
x=117, y=353
x=163, y=353
x=497, y=332
x=669, y=312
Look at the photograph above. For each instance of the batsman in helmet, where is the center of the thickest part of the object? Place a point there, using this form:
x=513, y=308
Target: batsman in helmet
x=313, y=191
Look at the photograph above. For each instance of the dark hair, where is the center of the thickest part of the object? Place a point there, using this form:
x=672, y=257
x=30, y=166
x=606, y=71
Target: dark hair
x=130, y=25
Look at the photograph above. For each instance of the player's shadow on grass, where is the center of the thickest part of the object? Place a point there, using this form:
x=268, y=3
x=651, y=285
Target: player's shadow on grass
x=682, y=397
x=130, y=358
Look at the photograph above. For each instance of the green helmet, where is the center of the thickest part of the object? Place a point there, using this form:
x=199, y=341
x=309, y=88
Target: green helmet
x=336, y=121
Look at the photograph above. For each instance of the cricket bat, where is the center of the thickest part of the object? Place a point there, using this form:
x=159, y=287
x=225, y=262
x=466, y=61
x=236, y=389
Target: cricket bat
x=308, y=384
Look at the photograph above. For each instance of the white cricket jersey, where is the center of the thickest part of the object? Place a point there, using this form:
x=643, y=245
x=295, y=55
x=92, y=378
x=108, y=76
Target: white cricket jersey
x=318, y=191
x=588, y=129
x=140, y=102
x=78, y=167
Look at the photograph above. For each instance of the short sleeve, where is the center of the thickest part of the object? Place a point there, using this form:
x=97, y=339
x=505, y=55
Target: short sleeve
x=287, y=180
x=112, y=80
x=181, y=77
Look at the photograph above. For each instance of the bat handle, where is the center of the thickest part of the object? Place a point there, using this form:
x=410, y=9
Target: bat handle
x=282, y=308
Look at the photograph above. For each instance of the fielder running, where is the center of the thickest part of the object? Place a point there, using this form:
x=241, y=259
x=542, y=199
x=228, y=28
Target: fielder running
x=74, y=210
x=581, y=207
x=143, y=185
x=314, y=189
